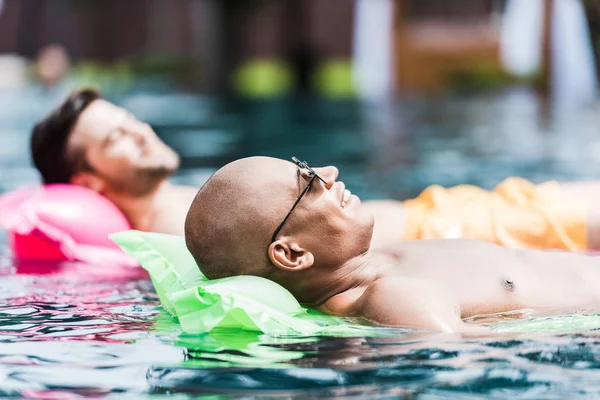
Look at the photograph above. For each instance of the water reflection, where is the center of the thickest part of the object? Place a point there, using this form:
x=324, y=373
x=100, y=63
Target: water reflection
x=412, y=365
x=68, y=335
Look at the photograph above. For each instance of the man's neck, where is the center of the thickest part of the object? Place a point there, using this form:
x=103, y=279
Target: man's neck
x=141, y=210
x=318, y=286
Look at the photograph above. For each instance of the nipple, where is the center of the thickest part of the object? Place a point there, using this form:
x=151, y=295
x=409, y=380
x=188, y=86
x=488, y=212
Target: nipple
x=508, y=284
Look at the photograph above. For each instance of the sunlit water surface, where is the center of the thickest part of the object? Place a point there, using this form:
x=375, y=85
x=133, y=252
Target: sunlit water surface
x=82, y=331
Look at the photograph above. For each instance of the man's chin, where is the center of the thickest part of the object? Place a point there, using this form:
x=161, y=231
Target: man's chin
x=173, y=163
x=159, y=173
x=163, y=168
x=145, y=180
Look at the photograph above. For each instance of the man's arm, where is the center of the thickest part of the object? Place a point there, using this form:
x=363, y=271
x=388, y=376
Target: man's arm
x=589, y=192
x=389, y=221
x=410, y=303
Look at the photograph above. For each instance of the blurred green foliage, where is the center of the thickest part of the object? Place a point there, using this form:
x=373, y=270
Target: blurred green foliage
x=161, y=71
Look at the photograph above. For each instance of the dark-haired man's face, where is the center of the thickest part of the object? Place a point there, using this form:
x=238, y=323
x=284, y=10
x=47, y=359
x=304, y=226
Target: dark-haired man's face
x=122, y=153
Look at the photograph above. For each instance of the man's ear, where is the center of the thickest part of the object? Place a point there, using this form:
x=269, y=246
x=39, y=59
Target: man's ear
x=290, y=256
x=89, y=181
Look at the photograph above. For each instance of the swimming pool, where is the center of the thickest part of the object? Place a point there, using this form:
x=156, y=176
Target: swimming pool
x=79, y=331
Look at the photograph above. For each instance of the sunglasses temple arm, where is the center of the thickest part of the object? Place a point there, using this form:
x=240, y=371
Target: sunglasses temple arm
x=293, y=207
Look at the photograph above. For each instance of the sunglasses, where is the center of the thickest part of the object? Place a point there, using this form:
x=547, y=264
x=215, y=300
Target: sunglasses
x=313, y=175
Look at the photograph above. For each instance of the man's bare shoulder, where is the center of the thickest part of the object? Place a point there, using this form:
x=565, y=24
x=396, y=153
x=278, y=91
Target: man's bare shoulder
x=379, y=292
x=408, y=302
x=352, y=302
x=186, y=191
x=170, y=217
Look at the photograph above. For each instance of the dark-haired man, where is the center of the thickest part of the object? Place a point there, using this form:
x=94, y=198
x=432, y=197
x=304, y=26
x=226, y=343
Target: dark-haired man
x=90, y=142
x=301, y=227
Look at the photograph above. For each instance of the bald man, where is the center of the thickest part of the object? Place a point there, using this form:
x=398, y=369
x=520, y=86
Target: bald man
x=301, y=228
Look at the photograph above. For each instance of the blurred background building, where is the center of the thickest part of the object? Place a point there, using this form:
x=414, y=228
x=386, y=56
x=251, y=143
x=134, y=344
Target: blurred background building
x=262, y=47
x=273, y=47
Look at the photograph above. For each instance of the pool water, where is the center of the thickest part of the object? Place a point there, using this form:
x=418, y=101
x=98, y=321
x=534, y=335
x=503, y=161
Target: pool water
x=82, y=331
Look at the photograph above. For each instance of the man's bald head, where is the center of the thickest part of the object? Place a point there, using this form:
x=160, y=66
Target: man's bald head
x=231, y=220
x=229, y=225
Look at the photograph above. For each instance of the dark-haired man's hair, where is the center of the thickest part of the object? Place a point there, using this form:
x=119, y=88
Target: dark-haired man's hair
x=50, y=138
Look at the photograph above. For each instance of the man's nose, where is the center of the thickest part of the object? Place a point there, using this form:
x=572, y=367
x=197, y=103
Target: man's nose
x=329, y=174
x=139, y=134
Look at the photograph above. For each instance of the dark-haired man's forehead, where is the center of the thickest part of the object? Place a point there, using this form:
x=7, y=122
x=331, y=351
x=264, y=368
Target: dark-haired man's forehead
x=98, y=120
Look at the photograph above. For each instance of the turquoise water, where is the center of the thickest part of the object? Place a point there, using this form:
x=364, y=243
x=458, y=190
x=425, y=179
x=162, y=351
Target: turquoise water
x=67, y=335
x=82, y=331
